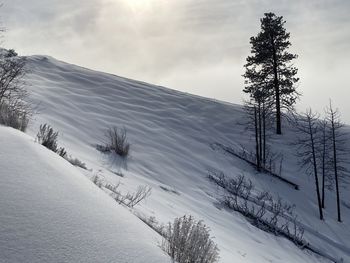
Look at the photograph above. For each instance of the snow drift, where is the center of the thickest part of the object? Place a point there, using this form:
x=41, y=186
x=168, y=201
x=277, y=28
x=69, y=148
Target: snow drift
x=50, y=212
x=171, y=134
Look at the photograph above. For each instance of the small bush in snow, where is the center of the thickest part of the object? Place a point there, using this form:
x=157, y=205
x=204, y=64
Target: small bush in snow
x=76, y=162
x=15, y=110
x=62, y=152
x=117, y=142
x=129, y=199
x=17, y=118
x=118, y=173
x=154, y=224
x=97, y=181
x=142, y=192
x=188, y=241
x=48, y=138
x=259, y=207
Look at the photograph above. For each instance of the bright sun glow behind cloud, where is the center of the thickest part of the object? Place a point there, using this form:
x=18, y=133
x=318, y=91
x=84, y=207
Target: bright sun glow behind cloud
x=139, y=5
x=198, y=46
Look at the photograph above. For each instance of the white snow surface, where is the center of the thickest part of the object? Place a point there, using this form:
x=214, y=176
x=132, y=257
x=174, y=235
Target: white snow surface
x=50, y=212
x=54, y=212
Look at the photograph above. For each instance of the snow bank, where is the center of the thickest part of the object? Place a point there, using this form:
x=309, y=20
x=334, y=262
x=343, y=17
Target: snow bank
x=50, y=212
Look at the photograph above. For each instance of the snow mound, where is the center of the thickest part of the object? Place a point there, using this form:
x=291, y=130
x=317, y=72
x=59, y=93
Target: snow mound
x=50, y=212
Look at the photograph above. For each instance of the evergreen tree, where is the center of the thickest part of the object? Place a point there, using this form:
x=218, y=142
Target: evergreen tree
x=269, y=69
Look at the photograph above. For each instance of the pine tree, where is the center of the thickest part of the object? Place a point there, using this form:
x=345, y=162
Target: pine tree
x=269, y=68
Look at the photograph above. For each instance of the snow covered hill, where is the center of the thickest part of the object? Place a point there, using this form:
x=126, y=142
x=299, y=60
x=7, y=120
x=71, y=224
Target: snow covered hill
x=50, y=212
x=171, y=136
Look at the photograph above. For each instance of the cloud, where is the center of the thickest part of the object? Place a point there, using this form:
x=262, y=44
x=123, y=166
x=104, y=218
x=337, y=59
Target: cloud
x=192, y=45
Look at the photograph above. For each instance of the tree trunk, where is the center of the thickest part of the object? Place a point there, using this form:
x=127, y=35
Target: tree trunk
x=260, y=133
x=277, y=89
x=315, y=170
x=323, y=175
x=323, y=164
x=258, y=165
x=336, y=169
x=264, y=135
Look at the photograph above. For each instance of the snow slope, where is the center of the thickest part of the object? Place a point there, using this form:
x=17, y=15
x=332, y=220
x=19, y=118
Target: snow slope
x=171, y=133
x=50, y=212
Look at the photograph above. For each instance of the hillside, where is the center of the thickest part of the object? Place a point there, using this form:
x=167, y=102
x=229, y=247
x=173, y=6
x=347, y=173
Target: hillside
x=50, y=212
x=172, y=134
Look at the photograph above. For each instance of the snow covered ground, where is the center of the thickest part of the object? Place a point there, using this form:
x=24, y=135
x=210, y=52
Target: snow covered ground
x=50, y=212
x=53, y=211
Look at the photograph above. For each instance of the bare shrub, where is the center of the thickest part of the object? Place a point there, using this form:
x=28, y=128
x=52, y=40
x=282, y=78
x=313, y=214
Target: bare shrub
x=76, y=162
x=187, y=240
x=47, y=137
x=103, y=148
x=166, y=189
x=272, y=164
x=129, y=199
x=97, y=181
x=15, y=110
x=154, y=224
x=14, y=117
x=62, y=152
x=12, y=74
x=135, y=198
x=117, y=142
x=113, y=188
x=260, y=208
x=118, y=173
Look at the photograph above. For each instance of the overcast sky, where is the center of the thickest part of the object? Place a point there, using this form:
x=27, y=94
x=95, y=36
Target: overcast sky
x=197, y=46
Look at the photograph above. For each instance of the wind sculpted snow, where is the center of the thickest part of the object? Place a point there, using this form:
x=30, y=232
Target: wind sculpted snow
x=171, y=134
x=50, y=212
